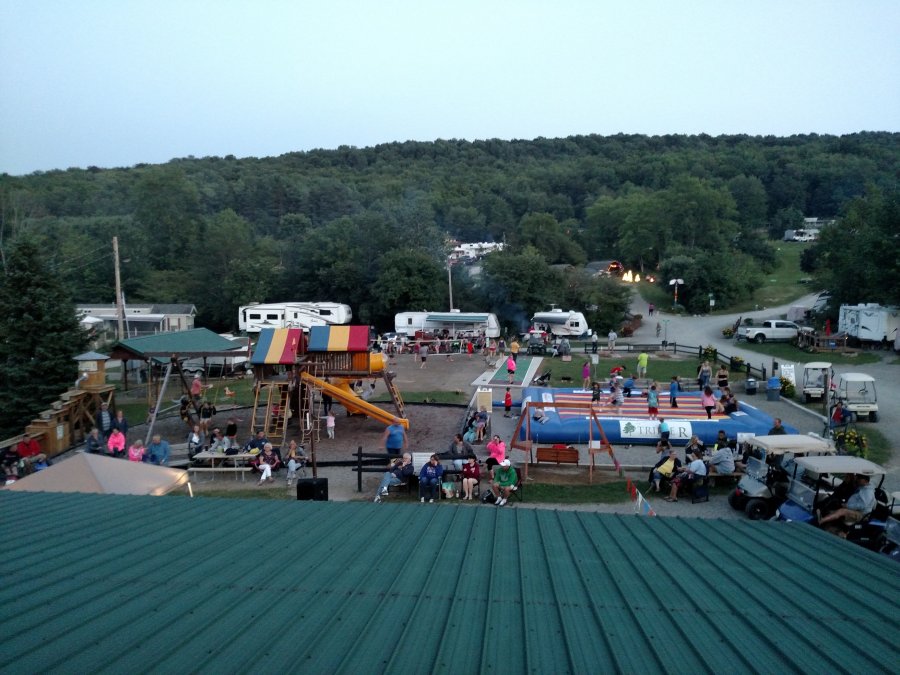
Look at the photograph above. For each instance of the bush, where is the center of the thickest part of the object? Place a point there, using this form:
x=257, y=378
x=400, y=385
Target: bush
x=851, y=443
x=787, y=388
x=710, y=353
x=728, y=332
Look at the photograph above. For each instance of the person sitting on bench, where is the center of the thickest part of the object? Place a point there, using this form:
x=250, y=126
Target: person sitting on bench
x=399, y=470
x=430, y=479
x=722, y=460
x=266, y=463
x=696, y=470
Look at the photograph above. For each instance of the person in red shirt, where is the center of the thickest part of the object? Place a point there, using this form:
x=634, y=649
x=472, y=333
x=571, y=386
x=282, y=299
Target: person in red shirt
x=507, y=404
x=30, y=450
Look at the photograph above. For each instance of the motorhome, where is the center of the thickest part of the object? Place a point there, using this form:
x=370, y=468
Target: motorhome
x=454, y=322
x=869, y=322
x=567, y=323
x=253, y=318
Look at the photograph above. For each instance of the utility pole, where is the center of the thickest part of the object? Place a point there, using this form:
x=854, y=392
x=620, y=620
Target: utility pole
x=120, y=310
x=450, y=282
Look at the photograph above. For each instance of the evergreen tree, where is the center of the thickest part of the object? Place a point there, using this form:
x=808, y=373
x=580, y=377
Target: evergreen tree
x=39, y=335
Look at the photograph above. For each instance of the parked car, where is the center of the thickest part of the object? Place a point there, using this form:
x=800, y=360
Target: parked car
x=770, y=330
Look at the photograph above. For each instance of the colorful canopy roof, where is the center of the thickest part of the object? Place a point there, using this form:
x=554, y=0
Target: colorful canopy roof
x=277, y=345
x=339, y=339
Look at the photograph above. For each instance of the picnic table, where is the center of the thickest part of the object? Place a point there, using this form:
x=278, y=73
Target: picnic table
x=237, y=463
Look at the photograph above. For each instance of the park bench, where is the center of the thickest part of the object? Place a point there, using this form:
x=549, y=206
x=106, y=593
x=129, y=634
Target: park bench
x=242, y=470
x=558, y=454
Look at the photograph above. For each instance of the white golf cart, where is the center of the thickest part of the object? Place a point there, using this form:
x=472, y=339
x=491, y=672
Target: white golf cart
x=857, y=391
x=764, y=485
x=816, y=376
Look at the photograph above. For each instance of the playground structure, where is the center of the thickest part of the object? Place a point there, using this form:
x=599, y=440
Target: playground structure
x=571, y=418
x=327, y=361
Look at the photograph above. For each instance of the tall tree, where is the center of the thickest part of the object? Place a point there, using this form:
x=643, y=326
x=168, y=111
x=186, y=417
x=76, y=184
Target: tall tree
x=39, y=336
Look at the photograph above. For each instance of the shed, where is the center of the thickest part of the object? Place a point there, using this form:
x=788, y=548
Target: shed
x=107, y=583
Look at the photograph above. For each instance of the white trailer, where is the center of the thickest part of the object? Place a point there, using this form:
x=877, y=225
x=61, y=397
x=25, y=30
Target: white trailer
x=253, y=318
x=869, y=322
x=454, y=322
x=567, y=323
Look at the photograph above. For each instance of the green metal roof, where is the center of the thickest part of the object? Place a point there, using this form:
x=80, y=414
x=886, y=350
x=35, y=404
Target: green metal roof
x=458, y=318
x=183, y=342
x=100, y=583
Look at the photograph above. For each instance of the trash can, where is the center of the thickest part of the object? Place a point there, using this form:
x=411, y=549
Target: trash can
x=750, y=386
x=315, y=489
x=773, y=390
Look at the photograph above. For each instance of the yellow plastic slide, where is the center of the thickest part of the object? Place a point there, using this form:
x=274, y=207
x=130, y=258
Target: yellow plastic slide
x=352, y=402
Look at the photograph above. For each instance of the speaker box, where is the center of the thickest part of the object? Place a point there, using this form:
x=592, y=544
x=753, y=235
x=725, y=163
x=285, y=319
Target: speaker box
x=315, y=489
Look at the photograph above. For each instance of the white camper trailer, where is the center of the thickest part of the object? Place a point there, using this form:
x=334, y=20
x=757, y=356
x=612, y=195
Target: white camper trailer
x=454, y=322
x=869, y=322
x=253, y=318
x=567, y=323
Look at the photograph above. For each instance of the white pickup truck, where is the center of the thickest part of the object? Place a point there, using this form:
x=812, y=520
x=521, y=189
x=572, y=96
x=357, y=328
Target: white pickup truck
x=770, y=329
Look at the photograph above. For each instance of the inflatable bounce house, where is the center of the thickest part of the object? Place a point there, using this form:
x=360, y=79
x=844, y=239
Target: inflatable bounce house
x=630, y=424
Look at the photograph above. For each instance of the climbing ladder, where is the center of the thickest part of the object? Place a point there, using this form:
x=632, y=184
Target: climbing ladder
x=395, y=393
x=311, y=409
x=271, y=410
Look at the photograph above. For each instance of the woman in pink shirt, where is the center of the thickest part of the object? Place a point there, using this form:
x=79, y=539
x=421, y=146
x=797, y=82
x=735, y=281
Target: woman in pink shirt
x=497, y=448
x=708, y=401
x=115, y=445
x=136, y=451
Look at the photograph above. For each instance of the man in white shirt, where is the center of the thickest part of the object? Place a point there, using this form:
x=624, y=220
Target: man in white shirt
x=861, y=503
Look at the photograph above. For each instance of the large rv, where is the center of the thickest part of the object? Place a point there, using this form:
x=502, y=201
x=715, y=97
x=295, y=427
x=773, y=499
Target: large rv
x=869, y=322
x=454, y=322
x=567, y=323
x=253, y=318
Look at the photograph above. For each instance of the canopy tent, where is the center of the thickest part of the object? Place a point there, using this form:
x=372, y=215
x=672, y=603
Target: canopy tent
x=277, y=346
x=103, y=475
x=339, y=339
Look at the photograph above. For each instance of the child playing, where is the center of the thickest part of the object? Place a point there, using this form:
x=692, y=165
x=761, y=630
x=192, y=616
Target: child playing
x=329, y=424
x=507, y=404
x=674, y=387
x=652, y=402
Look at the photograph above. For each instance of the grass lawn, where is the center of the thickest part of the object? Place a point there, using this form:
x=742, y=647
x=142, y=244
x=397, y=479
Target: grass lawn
x=879, y=447
x=788, y=352
x=779, y=288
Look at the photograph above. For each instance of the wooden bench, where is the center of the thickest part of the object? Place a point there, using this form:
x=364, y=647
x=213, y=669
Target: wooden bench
x=558, y=455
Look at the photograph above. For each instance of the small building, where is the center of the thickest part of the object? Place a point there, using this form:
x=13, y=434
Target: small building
x=140, y=318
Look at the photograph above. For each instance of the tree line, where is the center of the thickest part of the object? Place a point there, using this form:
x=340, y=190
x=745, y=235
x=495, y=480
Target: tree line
x=370, y=226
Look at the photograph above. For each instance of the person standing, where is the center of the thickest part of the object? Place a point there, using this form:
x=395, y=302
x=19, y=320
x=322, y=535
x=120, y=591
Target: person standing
x=104, y=421
x=611, y=340
x=722, y=378
x=586, y=375
x=652, y=402
x=329, y=424
x=708, y=401
x=594, y=341
x=704, y=374
x=651, y=308
x=674, y=387
x=394, y=438
x=507, y=403
x=664, y=430
x=423, y=354
x=511, y=369
x=514, y=349
x=642, y=362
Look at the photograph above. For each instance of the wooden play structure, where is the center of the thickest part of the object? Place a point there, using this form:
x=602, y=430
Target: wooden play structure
x=561, y=453
x=295, y=371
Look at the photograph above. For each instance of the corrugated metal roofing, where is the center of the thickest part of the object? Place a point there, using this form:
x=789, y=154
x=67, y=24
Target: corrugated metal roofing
x=137, y=584
x=178, y=342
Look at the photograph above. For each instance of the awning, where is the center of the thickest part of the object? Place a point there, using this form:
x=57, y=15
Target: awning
x=277, y=346
x=558, y=318
x=338, y=339
x=457, y=318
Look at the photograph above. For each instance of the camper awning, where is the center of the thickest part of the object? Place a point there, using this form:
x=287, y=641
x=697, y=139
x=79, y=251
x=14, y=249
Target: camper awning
x=457, y=318
x=277, y=345
x=557, y=318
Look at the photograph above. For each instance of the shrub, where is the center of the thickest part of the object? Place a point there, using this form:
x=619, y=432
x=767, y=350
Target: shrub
x=728, y=332
x=710, y=353
x=851, y=442
x=787, y=388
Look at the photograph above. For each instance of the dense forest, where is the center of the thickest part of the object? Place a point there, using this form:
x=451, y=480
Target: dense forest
x=370, y=226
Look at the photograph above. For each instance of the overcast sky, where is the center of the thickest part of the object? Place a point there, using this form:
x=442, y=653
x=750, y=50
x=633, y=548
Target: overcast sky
x=118, y=82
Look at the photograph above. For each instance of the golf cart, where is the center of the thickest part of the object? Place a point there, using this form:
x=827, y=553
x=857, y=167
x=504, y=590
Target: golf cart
x=764, y=485
x=857, y=391
x=816, y=377
x=815, y=485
